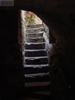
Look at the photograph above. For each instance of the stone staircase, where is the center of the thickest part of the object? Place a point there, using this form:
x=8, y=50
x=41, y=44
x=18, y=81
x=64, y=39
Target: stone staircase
x=36, y=67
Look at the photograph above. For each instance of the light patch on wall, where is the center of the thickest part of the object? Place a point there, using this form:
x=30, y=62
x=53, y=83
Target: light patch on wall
x=6, y=2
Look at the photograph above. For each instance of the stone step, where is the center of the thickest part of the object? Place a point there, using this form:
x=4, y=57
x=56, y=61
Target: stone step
x=40, y=45
x=34, y=39
x=32, y=50
x=36, y=66
x=39, y=95
x=33, y=84
x=34, y=25
x=37, y=86
x=43, y=92
x=34, y=28
x=30, y=30
x=36, y=60
x=38, y=34
x=31, y=70
x=34, y=53
x=38, y=77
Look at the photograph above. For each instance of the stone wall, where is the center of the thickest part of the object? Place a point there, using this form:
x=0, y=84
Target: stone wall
x=46, y=36
x=62, y=54
x=62, y=70
x=12, y=80
x=59, y=15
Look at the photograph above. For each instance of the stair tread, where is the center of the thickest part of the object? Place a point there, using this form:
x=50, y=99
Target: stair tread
x=31, y=84
x=34, y=28
x=36, y=75
x=34, y=37
x=31, y=70
x=37, y=88
x=35, y=53
x=33, y=50
x=36, y=69
x=41, y=32
x=33, y=24
x=37, y=78
x=43, y=92
x=36, y=66
x=33, y=58
x=29, y=25
x=38, y=96
x=36, y=60
x=29, y=43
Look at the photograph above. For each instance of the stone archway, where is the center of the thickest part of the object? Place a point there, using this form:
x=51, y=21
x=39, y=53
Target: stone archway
x=60, y=17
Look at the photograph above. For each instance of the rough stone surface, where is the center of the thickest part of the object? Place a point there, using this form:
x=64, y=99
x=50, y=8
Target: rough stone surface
x=59, y=15
x=11, y=57
x=35, y=46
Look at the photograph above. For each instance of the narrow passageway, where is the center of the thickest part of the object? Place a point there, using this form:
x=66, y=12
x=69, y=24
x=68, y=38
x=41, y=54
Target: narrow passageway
x=16, y=79
x=36, y=65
